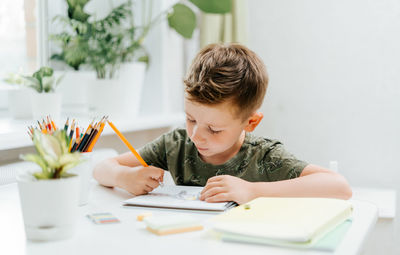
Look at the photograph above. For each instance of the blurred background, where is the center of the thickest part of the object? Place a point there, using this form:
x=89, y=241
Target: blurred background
x=333, y=65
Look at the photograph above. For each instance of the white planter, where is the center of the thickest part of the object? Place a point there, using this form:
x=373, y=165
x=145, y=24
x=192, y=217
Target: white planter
x=44, y=104
x=74, y=88
x=49, y=207
x=119, y=97
x=19, y=103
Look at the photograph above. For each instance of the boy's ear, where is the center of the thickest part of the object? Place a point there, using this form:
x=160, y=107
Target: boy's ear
x=253, y=121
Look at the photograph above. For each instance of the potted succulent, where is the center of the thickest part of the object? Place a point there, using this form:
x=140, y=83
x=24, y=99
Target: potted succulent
x=49, y=197
x=46, y=101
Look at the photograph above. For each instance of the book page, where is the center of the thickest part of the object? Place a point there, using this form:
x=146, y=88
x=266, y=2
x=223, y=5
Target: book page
x=181, y=197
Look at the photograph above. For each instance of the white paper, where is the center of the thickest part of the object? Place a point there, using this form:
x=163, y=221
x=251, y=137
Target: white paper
x=179, y=197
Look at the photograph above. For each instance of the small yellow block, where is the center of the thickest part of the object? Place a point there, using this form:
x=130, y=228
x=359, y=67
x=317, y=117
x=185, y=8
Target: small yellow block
x=175, y=230
x=141, y=216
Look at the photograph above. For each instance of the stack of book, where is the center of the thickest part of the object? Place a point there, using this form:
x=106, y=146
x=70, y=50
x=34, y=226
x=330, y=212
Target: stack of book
x=317, y=223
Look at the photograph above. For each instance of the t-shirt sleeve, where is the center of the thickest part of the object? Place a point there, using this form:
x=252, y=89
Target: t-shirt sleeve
x=282, y=165
x=154, y=153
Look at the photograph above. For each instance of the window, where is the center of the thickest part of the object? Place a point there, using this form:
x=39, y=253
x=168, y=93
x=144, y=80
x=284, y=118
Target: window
x=18, y=40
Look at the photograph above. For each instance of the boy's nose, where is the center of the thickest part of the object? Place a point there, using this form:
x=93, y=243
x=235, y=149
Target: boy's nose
x=196, y=136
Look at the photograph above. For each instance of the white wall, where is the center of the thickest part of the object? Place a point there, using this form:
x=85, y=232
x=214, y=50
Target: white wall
x=334, y=90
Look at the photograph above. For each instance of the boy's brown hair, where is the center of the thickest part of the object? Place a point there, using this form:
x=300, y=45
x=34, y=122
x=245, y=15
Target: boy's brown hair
x=227, y=72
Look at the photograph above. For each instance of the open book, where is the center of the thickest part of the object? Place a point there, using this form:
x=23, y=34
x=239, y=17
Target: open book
x=177, y=197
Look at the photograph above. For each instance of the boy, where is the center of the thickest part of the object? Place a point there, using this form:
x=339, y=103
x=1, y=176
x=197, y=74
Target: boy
x=223, y=91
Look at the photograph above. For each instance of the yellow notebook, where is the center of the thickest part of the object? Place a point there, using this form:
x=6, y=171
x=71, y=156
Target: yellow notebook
x=284, y=219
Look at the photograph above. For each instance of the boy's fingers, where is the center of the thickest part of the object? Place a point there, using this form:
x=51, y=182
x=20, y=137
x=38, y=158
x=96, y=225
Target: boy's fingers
x=211, y=192
x=153, y=183
x=221, y=197
x=148, y=188
x=215, y=178
x=210, y=186
x=155, y=173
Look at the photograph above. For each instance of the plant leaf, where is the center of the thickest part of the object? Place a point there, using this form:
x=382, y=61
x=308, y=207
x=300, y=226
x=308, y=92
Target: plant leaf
x=47, y=145
x=35, y=158
x=70, y=158
x=51, y=162
x=66, y=175
x=32, y=83
x=48, y=83
x=183, y=20
x=69, y=166
x=214, y=6
x=41, y=176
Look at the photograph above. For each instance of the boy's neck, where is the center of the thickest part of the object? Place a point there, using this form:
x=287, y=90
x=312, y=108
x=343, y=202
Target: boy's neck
x=226, y=155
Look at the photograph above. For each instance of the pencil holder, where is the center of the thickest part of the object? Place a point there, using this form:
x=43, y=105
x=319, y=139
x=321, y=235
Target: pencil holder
x=84, y=171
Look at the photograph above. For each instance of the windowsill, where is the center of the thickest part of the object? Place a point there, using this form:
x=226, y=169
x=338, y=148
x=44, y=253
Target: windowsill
x=13, y=133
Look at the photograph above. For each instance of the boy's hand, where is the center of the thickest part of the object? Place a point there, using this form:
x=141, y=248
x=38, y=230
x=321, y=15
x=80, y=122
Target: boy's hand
x=141, y=180
x=224, y=188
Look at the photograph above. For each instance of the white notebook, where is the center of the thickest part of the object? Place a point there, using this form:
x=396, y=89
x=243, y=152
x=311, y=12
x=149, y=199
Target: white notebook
x=284, y=219
x=177, y=197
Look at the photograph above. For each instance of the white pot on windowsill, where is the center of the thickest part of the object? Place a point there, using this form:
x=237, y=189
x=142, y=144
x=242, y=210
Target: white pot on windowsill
x=46, y=104
x=119, y=97
x=49, y=207
x=19, y=103
x=74, y=88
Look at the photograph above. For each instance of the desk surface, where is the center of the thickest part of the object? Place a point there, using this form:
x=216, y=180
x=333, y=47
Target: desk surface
x=131, y=237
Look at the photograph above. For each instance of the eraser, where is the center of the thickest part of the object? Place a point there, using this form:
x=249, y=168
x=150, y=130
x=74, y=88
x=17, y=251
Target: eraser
x=102, y=218
x=161, y=232
x=141, y=216
x=165, y=225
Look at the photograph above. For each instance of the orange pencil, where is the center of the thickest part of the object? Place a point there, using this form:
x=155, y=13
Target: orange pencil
x=99, y=128
x=53, y=124
x=127, y=144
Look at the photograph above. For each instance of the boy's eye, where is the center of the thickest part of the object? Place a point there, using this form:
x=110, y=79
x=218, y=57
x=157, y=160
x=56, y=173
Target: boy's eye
x=214, y=131
x=192, y=121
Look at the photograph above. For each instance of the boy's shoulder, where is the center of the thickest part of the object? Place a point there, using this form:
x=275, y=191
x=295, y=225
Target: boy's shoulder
x=254, y=142
x=178, y=134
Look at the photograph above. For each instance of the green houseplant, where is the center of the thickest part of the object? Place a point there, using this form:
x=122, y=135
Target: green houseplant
x=110, y=44
x=106, y=43
x=49, y=197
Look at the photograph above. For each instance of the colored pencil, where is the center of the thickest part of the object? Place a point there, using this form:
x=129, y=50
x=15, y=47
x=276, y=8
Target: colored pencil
x=84, y=139
x=97, y=135
x=127, y=144
x=66, y=125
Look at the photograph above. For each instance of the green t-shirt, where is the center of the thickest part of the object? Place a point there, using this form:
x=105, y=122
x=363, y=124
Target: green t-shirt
x=258, y=160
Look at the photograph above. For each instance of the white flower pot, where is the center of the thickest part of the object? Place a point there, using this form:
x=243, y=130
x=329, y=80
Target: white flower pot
x=19, y=103
x=74, y=88
x=49, y=207
x=119, y=97
x=44, y=104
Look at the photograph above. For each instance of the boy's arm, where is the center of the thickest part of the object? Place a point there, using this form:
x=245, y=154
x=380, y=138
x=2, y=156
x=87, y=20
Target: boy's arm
x=125, y=171
x=314, y=181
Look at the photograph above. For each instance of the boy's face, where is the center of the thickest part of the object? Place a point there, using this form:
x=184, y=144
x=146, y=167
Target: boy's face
x=214, y=130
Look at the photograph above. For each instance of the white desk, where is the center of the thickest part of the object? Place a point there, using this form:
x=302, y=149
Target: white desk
x=130, y=236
